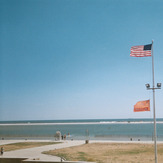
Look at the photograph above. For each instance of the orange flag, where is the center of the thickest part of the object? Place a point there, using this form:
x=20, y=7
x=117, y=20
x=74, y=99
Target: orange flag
x=142, y=106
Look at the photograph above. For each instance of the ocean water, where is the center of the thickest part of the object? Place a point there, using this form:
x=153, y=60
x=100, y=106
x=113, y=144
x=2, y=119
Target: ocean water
x=96, y=129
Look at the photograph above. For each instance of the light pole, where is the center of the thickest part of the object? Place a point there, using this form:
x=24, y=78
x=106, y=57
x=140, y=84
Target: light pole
x=154, y=114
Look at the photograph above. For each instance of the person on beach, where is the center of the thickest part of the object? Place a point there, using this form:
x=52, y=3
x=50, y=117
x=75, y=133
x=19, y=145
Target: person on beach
x=65, y=137
x=2, y=150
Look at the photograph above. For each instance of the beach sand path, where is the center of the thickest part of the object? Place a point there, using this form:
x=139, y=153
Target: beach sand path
x=36, y=152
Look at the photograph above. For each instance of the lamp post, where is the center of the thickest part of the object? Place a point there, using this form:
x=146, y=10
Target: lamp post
x=154, y=114
x=149, y=88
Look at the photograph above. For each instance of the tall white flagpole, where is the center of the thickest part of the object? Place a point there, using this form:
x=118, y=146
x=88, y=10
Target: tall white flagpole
x=154, y=112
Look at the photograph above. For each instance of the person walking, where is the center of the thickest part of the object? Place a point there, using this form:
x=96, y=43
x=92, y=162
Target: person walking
x=2, y=150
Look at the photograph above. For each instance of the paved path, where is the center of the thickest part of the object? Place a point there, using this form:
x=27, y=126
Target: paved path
x=36, y=152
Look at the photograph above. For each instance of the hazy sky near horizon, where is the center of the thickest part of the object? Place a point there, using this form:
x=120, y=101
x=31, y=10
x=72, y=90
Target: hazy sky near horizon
x=70, y=59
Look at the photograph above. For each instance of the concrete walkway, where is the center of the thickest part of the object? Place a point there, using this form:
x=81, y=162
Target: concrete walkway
x=36, y=152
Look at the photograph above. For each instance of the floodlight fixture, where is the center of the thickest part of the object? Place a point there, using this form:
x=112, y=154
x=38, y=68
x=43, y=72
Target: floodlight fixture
x=159, y=85
x=147, y=86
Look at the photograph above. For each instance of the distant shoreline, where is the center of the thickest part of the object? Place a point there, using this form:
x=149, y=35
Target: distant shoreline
x=80, y=123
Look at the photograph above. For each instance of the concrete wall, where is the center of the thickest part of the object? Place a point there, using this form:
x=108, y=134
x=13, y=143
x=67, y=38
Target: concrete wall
x=39, y=161
x=25, y=160
x=36, y=161
x=11, y=160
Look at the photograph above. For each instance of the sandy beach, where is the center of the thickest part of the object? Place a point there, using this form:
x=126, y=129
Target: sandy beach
x=95, y=151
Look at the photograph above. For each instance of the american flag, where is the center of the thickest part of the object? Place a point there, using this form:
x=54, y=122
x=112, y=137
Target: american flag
x=141, y=51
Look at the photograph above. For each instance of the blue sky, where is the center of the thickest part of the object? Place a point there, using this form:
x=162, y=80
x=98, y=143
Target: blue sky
x=69, y=59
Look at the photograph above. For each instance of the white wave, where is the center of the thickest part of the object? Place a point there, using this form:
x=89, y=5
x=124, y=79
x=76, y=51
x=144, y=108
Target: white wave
x=82, y=123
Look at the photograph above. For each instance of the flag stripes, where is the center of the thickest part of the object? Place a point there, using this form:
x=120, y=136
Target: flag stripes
x=141, y=51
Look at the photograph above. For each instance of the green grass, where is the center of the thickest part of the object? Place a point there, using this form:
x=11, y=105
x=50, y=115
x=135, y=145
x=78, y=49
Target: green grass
x=24, y=145
x=63, y=155
x=110, y=152
x=82, y=156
